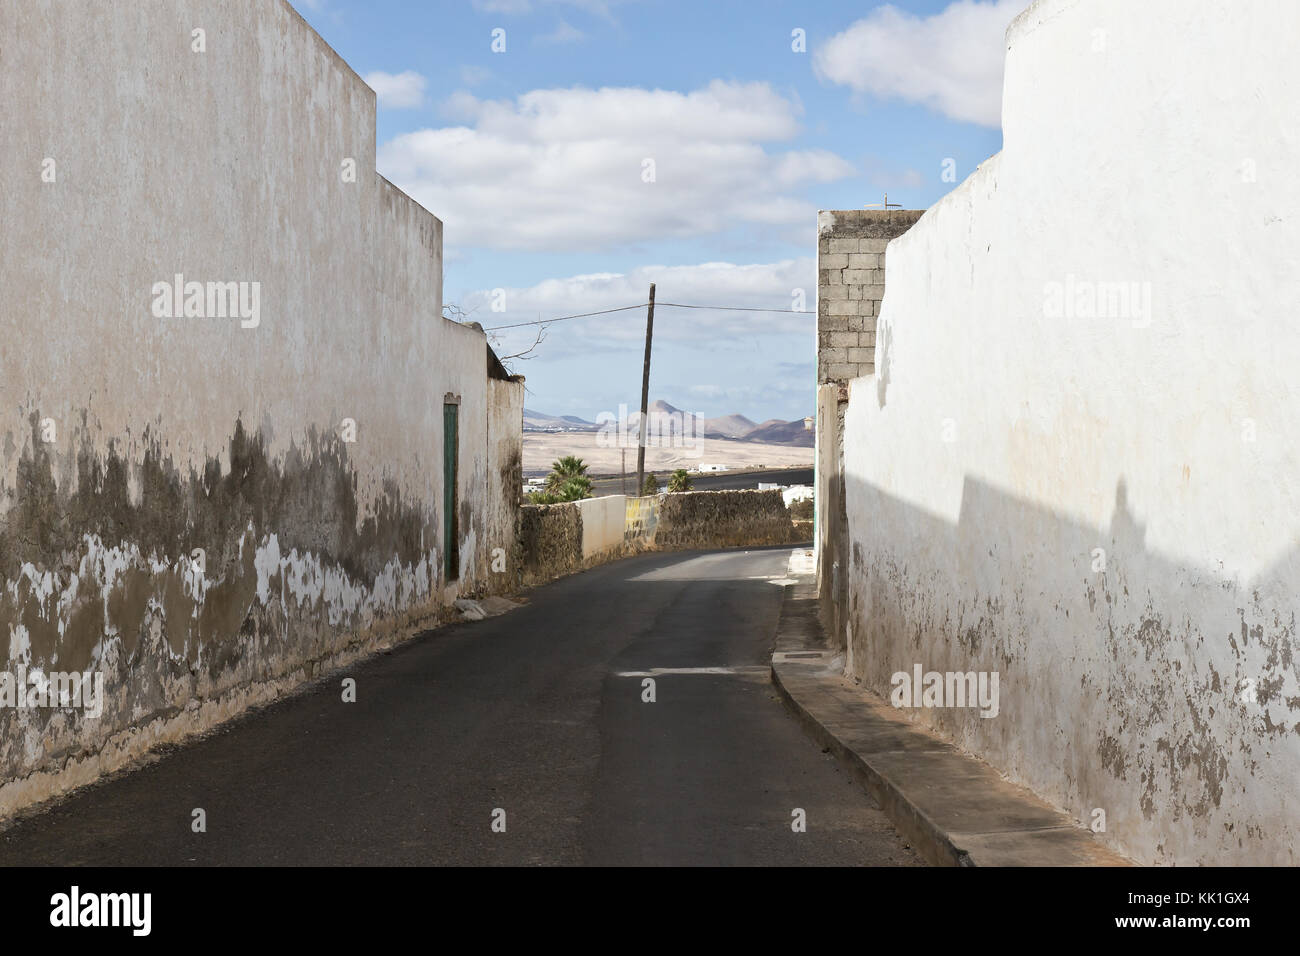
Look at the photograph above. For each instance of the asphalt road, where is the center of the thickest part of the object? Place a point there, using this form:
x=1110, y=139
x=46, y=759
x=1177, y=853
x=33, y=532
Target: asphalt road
x=538, y=713
x=720, y=481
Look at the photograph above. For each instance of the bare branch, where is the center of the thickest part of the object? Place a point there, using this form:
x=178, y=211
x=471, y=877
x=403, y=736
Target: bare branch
x=525, y=354
x=452, y=311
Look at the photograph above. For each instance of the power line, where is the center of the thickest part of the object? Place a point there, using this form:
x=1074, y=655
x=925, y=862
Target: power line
x=642, y=305
x=519, y=325
x=730, y=308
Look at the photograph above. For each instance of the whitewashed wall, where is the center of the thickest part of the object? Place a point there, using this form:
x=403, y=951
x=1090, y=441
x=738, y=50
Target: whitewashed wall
x=225, y=141
x=1007, y=444
x=603, y=524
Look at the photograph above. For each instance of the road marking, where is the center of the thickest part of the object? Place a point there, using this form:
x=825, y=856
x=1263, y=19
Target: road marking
x=659, y=671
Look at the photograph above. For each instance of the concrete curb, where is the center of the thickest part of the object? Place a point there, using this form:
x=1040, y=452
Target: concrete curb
x=918, y=829
x=953, y=808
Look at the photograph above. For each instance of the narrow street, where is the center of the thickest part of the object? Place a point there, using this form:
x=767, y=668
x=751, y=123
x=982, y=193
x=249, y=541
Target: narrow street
x=538, y=713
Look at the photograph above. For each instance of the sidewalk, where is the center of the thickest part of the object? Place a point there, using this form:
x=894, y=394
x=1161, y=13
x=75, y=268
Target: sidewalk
x=955, y=809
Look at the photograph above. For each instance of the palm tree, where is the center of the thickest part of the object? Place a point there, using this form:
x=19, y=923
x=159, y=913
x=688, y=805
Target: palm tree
x=564, y=469
x=679, y=480
x=575, y=488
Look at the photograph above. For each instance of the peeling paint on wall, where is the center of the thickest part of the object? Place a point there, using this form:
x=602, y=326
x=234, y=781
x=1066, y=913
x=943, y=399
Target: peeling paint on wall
x=1102, y=507
x=209, y=513
x=290, y=565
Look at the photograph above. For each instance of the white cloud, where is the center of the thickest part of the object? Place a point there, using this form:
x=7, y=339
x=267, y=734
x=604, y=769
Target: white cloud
x=951, y=61
x=472, y=75
x=397, y=91
x=566, y=168
x=758, y=286
x=562, y=35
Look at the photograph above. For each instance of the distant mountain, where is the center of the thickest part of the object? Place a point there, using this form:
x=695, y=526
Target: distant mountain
x=541, y=422
x=777, y=432
x=728, y=426
x=736, y=427
x=661, y=408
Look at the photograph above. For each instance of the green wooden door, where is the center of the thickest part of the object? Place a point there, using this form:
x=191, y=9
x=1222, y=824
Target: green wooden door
x=450, y=537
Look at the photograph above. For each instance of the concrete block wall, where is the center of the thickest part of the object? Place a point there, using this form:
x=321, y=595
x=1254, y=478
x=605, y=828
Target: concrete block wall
x=850, y=286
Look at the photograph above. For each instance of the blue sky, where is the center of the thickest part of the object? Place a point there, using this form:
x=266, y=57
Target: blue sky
x=613, y=143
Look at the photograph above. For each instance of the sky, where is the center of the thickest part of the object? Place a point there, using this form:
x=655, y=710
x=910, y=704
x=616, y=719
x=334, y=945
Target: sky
x=578, y=150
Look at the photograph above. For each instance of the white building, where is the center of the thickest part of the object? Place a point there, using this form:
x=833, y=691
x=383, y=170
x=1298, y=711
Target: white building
x=340, y=458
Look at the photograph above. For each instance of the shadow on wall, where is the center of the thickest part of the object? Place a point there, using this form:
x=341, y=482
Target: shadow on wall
x=1159, y=693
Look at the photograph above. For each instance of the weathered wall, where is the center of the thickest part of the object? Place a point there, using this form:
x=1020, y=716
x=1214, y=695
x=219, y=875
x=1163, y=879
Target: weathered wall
x=603, y=524
x=559, y=539
x=550, y=542
x=642, y=518
x=722, y=519
x=1101, y=504
x=851, y=247
x=500, y=496
x=130, y=440
x=851, y=250
x=830, y=526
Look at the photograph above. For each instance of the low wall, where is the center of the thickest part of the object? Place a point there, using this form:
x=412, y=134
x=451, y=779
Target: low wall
x=550, y=542
x=603, y=523
x=723, y=519
x=555, y=540
x=642, y=519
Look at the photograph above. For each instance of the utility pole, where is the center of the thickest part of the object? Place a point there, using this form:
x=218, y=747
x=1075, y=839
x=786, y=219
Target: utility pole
x=622, y=473
x=645, y=393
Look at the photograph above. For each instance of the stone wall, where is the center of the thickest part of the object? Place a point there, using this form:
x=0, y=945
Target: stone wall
x=550, y=542
x=722, y=519
x=554, y=540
